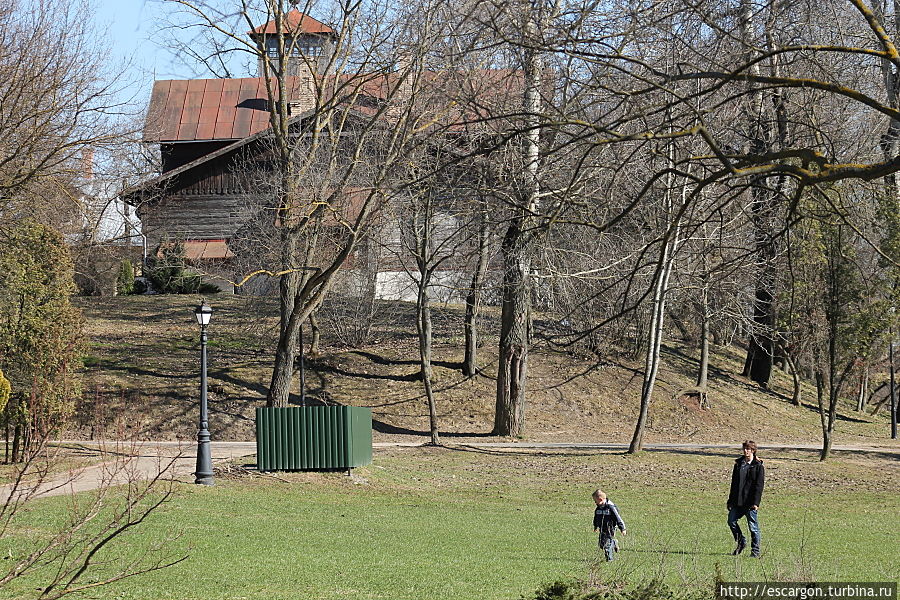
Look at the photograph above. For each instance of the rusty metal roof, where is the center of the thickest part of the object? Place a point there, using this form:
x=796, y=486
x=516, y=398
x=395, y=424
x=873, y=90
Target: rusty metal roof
x=194, y=250
x=294, y=22
x=209, y=109
x=234, y=109
x=206, y=250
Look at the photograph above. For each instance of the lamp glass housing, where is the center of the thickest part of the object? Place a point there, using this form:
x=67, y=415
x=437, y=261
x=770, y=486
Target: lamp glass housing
x=203, y=314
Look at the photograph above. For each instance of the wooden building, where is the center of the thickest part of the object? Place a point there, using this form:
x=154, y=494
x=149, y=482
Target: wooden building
x=206, y=129
x=210, y=130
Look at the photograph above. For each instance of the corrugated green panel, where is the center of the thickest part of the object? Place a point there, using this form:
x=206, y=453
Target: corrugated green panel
x=316, y=437
x=293, y=419
x=360, y=442
x=346, y=438
x=260, y=452
x=315, y=459
x=271, y=457
x=275, y=440
x=341, y=436
x=332, y=445
x=307, y=442
x=285, y=448
x=266, y=428
x=329, y=441
x=322, y=422
x=268, y=441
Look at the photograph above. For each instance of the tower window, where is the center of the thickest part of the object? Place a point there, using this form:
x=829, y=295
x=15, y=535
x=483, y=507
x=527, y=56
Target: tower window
x=301, y=47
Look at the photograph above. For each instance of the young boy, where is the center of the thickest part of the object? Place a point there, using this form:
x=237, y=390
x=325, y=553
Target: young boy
x=606, y=519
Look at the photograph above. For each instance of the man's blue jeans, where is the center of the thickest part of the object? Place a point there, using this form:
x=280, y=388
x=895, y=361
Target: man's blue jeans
x=734, y=515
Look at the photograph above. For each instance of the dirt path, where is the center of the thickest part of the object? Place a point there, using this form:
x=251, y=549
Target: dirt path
x=121, y=463
x=177, y=460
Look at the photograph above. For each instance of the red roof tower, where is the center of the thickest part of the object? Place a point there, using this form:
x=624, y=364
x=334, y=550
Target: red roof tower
x=308, y=44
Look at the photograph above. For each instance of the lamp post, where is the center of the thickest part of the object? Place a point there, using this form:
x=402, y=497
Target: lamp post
x=204, y=472
x=893, y=390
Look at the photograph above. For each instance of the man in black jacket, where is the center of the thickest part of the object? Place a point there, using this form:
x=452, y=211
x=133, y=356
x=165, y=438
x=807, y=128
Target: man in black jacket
x=747, y=481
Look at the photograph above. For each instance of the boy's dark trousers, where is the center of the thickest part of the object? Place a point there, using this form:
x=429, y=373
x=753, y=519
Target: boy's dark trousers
x=608, y=543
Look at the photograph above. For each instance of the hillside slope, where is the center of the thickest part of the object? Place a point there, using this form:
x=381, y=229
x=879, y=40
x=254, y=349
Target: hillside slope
x=141, y=378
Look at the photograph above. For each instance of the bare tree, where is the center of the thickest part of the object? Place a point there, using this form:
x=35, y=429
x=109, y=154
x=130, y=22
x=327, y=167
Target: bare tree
x=333, y=162
x=79, y=555
x=54, y=101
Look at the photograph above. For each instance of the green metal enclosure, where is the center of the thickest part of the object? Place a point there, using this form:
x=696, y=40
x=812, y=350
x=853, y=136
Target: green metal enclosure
x=313, y=438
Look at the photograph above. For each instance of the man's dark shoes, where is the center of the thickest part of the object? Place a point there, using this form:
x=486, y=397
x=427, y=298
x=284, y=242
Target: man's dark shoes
x=739, y=549
x=754, y=554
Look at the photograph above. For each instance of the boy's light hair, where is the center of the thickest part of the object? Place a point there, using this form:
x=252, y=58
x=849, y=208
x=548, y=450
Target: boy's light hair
x=750, y=444
x=598, y=493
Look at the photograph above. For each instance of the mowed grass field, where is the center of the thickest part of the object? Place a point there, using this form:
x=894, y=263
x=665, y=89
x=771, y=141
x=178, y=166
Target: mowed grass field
x=465, y=523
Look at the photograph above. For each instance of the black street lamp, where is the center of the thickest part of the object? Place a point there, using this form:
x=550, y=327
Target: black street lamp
x=204, y=472
x=893, y=389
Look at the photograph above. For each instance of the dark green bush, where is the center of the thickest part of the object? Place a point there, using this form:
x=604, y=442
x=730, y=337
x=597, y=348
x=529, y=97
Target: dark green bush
x=561, y=589
x=125, y=279
x=169, y=273
x=655, y=589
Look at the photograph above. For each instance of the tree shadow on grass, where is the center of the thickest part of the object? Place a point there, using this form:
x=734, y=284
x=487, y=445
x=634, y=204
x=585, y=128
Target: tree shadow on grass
x=389, y=429
x=531, y=451
x=838, y=417
x=223, y=376
x=698, y=451
x=384, y=426
x=380, y=360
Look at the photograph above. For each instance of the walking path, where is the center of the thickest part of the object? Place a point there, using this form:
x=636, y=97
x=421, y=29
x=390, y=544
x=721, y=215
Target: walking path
x=126, y=462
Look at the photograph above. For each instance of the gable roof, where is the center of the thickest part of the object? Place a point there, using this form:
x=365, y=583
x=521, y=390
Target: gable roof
x=233, y=109
x=294, y=22
x=132, y=194
x=211, y=109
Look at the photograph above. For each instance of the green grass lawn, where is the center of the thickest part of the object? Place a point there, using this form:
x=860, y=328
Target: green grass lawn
x=456, y=524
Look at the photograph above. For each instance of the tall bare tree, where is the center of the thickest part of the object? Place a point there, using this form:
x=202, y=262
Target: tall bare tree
x=335, y=161
x=54, y=100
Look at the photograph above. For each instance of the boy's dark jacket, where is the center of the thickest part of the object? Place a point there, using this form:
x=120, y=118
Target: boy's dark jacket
x=606, y=518
x=751, y=495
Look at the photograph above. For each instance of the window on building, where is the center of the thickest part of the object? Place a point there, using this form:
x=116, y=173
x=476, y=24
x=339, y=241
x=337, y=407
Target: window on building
x=303, y=47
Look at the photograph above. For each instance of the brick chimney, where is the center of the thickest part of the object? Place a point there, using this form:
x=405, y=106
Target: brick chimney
x=87, y=164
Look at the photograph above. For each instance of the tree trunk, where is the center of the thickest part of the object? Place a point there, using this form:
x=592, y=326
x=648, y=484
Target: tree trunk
x=283, y=369
x=423, y=328
x=661, y=288
x=862, y=392
x=760, y=349
x=515, y=333
x=515, y=317
x=795, y=378
x=286, y=350
x=302, y=367
x=17, y=441
x=315, y=334
x=473, y=301
x=654, y=343
x=685, y=330
x=761, y=345
x=703, y=372
x=827, y=429
x=651, y=365
x=422, y=218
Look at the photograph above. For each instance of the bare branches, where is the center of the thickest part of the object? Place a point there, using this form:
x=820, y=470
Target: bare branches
x=125, y=497
x=53, y=100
